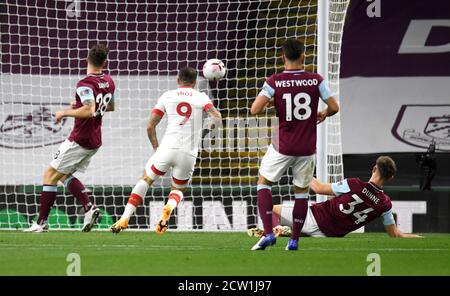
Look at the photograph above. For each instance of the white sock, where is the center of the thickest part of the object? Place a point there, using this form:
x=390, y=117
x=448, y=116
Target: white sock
x=173, y=202
x=301, y=195
x=129, y=210
x=137, y=195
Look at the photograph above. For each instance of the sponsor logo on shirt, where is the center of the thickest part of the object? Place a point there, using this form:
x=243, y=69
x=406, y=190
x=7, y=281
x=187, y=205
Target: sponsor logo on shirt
x=84, y=92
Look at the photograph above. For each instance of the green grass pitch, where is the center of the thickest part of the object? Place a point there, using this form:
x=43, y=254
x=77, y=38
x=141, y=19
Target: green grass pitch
x=203, y=253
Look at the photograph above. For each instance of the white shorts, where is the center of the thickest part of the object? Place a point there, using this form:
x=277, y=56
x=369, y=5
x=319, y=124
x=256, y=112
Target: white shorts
x=71, y=157
x=182, y=165
x=310, y=226
x=275, y=164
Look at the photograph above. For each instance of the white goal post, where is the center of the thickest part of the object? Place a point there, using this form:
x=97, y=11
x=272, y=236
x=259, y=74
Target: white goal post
x=331, y=19
x=43, y=53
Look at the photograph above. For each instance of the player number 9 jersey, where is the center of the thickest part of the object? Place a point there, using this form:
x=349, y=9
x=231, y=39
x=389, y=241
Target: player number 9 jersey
x=184, y=108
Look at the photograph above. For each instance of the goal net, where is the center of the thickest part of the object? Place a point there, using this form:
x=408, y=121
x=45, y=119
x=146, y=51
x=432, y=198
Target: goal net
x=43, y=55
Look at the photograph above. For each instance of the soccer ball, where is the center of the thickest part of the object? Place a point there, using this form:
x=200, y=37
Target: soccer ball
x=214, y=69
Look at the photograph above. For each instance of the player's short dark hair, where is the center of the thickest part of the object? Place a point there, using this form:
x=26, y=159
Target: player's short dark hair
x=386, y=166
x=187, y=75
x=98, y=54
x=293, y=49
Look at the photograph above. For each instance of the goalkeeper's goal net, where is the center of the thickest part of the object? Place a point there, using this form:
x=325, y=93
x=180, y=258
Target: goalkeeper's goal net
x=44, y=45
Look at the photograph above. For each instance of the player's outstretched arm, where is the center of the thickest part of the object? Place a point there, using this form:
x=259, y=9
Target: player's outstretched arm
x=321, y=188
x=259, y=105
x=214, y=120
x=332, y=108
x=87, y=111
x=393, y=231
x=214, y=115
x=151, y=129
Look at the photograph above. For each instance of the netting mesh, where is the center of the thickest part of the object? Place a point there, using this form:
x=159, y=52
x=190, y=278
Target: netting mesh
x=43, y=55
x=336, y=20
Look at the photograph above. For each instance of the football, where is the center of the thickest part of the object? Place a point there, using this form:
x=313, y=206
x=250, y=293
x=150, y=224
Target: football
x=214, y=69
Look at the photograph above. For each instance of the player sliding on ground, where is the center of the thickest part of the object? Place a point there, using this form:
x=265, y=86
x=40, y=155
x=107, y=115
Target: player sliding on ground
x=94, y=96
x=355, y=204
x=295, y=94
x=184, y=107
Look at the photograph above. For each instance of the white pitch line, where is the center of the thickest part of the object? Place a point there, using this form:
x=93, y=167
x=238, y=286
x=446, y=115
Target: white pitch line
x=59, y=246
x=197, y=248
x=377, y=249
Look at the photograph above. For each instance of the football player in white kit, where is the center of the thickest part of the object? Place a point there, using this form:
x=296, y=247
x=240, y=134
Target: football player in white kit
x=178, y=150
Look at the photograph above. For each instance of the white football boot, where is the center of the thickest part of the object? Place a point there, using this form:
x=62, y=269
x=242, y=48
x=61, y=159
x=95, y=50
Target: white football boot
x=37, y=228
x=90, y=218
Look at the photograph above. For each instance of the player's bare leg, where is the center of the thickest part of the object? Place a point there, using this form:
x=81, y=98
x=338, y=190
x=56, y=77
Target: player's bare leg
x=298, y=216
x=136, y=199
x=48, y=197
x=91, y=213
x=265, y=206
x=175, y=197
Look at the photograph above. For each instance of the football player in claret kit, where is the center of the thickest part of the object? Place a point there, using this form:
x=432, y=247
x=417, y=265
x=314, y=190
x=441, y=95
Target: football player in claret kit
x=355, y=204
x=184, y=108
x=94, y=96
x=295, y=95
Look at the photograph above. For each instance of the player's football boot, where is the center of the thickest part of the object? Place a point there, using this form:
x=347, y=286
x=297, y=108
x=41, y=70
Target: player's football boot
x=292, y=245
x=264, y=242
x=282, y=231
x=120, y=225
x=90, y=218
x=37, y=228
x=255, y=232
x=163, y=224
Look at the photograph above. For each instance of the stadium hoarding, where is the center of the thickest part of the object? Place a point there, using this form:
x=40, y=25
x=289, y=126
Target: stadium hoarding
x=395, y=77
x=387, y=114
x=234, y=210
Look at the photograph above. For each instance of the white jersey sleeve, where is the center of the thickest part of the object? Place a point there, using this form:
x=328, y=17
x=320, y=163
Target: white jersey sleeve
x=159, y=108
